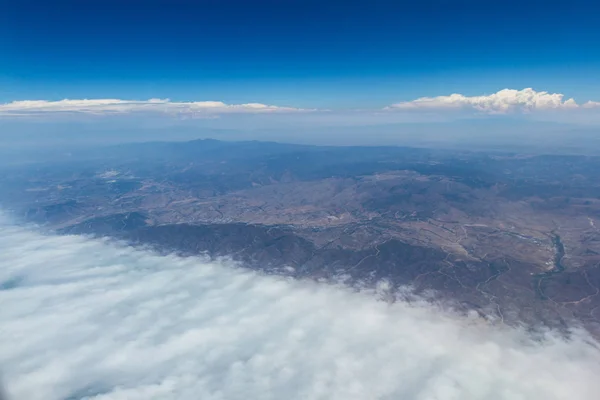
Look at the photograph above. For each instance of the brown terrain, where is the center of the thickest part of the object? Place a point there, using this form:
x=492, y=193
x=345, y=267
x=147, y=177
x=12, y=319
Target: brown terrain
x=513, y=236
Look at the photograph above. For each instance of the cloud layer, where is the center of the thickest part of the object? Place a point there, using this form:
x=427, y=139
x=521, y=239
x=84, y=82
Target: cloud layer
x=89, y=319
x=501, y=102
x=117, y=106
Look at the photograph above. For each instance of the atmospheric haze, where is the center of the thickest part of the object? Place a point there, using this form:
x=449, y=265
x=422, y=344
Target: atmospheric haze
x=89, y=318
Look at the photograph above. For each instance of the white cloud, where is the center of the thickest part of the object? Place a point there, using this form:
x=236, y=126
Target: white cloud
x=592, y=104
x=504, y=101
x=88, y=319
x=501, y=102
x=117, y=106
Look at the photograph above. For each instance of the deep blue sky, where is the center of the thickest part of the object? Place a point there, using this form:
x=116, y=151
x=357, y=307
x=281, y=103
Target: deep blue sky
x=301, y=53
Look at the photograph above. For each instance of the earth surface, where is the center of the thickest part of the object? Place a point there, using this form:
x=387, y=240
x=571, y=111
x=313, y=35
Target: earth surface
x=511, y=236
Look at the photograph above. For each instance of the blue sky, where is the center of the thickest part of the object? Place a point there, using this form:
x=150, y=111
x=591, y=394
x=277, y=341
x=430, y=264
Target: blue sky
x=467, y=74
x=325, y=54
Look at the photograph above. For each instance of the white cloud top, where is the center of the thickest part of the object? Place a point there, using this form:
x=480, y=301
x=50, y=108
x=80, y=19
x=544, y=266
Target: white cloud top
x=592, y=104
x=117, y=106
x=88, y=319
x=504, y=101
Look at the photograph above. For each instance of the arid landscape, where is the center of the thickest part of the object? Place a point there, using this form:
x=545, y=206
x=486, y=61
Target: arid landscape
x=512, y=236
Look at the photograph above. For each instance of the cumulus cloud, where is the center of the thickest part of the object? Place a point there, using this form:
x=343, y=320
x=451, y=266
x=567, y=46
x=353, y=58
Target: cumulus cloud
x=504, y=101
x=592, y=104
x=85, y=318
x=118, y=106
